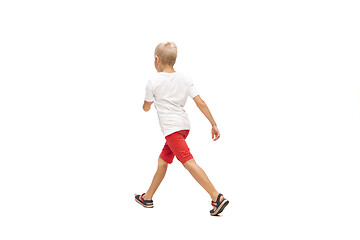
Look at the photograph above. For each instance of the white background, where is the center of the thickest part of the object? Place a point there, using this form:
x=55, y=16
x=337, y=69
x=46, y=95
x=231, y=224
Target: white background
x=280, y=77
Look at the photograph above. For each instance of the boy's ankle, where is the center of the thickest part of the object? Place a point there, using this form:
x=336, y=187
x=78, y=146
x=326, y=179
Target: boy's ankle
x=214, y=196
x=146, y=197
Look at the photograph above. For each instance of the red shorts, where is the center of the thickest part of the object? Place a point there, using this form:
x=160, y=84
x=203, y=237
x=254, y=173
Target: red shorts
x=176, y=146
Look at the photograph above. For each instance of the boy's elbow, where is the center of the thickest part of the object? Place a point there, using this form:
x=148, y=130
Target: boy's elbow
x=201, y=104
x=147, y=106
x=146, y=109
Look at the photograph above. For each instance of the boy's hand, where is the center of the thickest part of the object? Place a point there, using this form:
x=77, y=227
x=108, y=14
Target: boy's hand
x=215, y=133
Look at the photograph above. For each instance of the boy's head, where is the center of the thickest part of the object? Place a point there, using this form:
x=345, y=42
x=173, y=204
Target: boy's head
x=165, y=54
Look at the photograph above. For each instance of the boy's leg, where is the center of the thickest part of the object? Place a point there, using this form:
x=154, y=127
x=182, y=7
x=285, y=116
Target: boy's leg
x=179, y=147
x=158, y=177
x=200, y=176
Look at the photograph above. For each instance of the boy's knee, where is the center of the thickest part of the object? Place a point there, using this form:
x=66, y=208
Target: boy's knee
x=189, y=163
x=162, y=163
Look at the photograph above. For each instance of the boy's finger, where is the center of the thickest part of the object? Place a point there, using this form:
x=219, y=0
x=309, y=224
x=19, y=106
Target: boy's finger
x=215, y=138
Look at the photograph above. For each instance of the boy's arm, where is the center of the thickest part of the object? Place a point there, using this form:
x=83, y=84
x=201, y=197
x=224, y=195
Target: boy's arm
x=149, y=97
x=215, y=133
x=147, y=106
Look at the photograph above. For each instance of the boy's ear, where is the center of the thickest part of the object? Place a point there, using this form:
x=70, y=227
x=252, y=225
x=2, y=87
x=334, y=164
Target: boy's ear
x=157, y=59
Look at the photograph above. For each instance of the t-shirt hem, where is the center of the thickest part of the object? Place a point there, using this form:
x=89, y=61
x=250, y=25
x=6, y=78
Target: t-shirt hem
x=175, y=130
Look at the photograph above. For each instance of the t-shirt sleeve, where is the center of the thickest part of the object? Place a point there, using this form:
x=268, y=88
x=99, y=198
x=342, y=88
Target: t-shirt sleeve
x=192, y=91
x=149, y=96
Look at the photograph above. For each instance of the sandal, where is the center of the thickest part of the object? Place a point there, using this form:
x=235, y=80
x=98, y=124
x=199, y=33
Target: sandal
x=219, y=206
x=139, y=199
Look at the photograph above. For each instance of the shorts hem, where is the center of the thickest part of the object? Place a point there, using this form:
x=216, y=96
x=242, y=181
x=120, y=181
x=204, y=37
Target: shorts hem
x=186, y=159
x=165, y=159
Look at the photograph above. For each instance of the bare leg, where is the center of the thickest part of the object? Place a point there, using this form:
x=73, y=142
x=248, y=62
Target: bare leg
x=158, y=177
x=201, y=177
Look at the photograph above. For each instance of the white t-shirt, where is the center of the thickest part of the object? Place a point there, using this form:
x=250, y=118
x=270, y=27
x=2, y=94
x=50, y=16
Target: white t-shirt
x=169, y=92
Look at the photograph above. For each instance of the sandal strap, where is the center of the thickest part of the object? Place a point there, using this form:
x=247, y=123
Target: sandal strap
x=215, y=204
x=143, y=200
x=218, y=198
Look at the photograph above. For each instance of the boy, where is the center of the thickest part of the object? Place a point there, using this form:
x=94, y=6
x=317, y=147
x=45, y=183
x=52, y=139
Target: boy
x=168, y=90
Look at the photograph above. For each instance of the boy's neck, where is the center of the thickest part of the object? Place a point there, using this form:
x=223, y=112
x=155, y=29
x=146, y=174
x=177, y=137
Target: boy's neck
x=167, y=69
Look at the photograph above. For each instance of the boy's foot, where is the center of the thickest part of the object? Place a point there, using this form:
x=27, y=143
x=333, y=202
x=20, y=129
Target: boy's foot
x=219, y=205
x=145, y=203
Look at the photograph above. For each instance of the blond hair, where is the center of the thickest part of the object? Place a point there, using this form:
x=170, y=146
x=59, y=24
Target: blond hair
x=167, y=52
